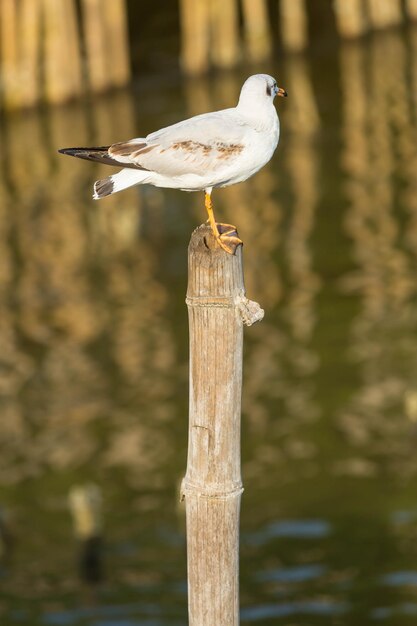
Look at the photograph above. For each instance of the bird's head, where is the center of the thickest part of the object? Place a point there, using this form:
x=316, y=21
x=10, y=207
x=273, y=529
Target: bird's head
x=260, y=88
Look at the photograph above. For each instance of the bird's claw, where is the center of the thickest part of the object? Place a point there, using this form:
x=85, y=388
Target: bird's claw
x=228, y=238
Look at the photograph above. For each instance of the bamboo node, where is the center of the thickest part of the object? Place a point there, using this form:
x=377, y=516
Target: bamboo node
x=210, y=302
x=189, y=489
x=250, y=311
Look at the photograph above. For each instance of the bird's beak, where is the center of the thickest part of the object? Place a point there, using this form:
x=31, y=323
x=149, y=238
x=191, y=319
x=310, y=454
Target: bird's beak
x=281, y=92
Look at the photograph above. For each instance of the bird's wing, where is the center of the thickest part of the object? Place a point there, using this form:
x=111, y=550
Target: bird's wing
x=201, y=144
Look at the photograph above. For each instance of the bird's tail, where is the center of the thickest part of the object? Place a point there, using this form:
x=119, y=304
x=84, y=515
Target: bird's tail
x=117, y=182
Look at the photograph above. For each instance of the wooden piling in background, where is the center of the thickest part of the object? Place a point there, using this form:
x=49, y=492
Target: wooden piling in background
x=117, y=45
x=62, y=60
x=106, y=42
x=30, y=39
x=212, y=486
x=293, y=24
x=257, y=30
x=9, y=52
x=95, y=44
x=195, y=36
x=411, y=9
x=224, y=48
x=41, y=49
x=384, y=13
x=350, y=18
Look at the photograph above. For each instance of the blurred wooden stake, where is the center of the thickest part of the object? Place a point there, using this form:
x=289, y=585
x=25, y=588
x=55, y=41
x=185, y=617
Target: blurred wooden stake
x=212, y=486
x=195, y=36
x=107, y=43
x=95, y=43
x=224, y=47
x=384, y=13
x=62, y=62
x=117, y=41
x=257, y=31
x=411, y=8
x=350, y=18
x=30, y=41
x=293, y=21
x=9, y=53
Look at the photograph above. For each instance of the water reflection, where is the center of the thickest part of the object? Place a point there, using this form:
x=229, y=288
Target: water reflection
x=85, y=502
x=378, y=151
x=93, y=350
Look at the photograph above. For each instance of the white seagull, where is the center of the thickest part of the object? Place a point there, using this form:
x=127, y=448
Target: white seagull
x=206, y=151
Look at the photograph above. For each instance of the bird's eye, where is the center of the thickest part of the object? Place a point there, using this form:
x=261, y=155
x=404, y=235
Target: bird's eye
x=268, y=90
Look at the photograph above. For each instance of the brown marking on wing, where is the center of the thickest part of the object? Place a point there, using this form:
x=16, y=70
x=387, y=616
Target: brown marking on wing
x=227, y=150
x=129, y=149
x=143, y=150
x=191, y=146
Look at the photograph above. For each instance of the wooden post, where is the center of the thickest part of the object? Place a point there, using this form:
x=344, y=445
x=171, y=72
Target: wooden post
x=350, y=18
x=257, y=30
x=62, y=55
x=224, y=21
x=411, y=9
x=212, y=486
x=107, y=43
x=9, y=58
x=117, y=44
x=30, y=41
x=95, y=43
x=293, y=22
x=195, y=36
x=384, y=13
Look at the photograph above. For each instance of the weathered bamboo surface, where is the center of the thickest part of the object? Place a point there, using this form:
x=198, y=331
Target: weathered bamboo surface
x=41, y=50
x=212, y=486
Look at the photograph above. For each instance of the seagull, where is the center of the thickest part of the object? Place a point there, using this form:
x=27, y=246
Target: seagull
x=199, y=154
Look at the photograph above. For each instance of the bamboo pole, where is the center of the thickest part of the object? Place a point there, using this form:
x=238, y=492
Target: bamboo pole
x=85, y=503
x=195, y=36
x=95, y=43
x=117, y=41
x=30, y=40
x=411, y=9
x=62, y=54
x=350, y=18
x=384, y=13
x=293, y=22
x=9, y=54
x=257, y=31
x=224, y=33
x=212, y=486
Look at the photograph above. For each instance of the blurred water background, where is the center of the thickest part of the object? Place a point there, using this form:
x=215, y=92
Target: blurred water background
x=93, y=351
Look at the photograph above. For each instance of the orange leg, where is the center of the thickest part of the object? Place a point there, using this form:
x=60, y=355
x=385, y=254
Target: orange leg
x=225, y=234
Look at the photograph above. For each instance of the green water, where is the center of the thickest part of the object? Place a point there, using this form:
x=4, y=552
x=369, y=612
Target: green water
x=93, y=352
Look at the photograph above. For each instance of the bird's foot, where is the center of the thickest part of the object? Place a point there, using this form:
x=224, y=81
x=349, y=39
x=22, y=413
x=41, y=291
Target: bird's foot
x=228, y=238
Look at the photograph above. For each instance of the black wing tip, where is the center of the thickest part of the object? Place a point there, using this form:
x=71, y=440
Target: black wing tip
x=77, y=151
